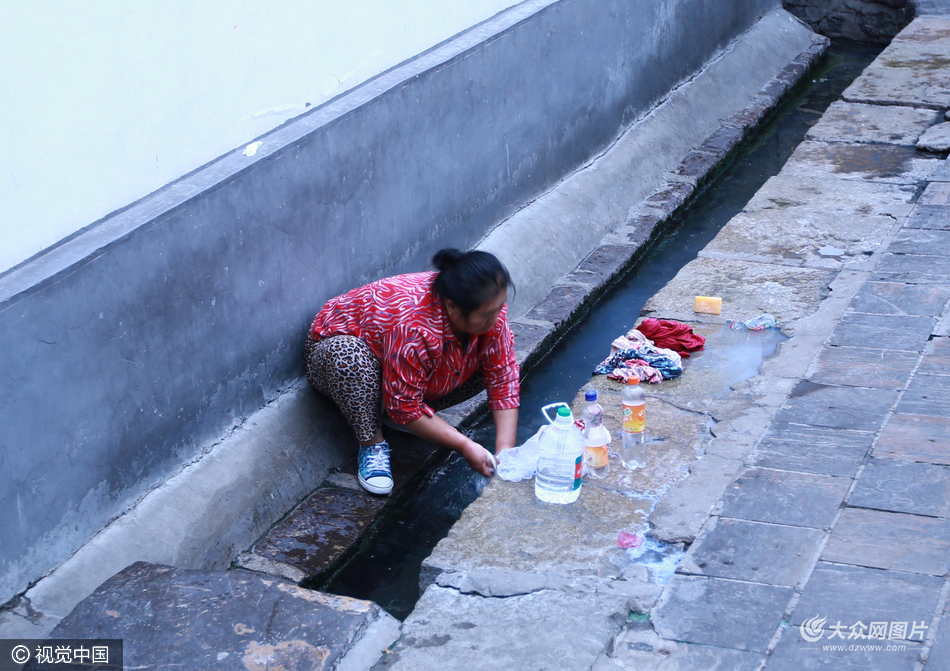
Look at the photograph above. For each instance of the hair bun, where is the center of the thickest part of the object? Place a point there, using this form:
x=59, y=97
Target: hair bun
x=446, y=258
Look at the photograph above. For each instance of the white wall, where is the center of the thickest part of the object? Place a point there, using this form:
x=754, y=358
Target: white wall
x=104, y=102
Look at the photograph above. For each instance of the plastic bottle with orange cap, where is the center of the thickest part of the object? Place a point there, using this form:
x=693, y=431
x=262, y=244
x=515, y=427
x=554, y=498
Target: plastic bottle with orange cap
x=633, y=452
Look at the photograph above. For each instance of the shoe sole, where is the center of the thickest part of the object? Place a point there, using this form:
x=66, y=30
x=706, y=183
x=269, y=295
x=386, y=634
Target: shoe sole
x=372, y=489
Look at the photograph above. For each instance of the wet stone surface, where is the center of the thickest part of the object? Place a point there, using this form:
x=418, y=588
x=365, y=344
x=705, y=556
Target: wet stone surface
x=860, y=367
x=559, y=304
x=320, y=530
x=754, y=552
x=871, y=163
x=171, y=618
x=747, y=289
x=799, y=193
x=482, y=538
x=783, y=497
x=897, y=298
x=915, y=438
x=556, y=630
x=725, y=613
x=887, y=540
x=857, y=122
x=850, y=594
x=803, y=233
x=903, y=487
x=936, y=193
x=837, y=407
x=813, y=449
x=909, y=334
x=906, y=73
x=940, y=652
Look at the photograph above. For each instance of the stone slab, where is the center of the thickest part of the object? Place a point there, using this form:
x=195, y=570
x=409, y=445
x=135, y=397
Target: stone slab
x=861, y=367
x=643, y=650
x=535, y=632
x=935, y=193
x=754, y=552
x=941, y=172
x=905, y=333
x=850, y=594
x=674, y=436
x=903, y=487
x=906, y=73
x=863, y=162
x=795, y=235
x=797, y=193
x=559, y=304
x=837, y=407
x=926, y=394
x=879, y=539
x=936, y=357
x=943, y=328
x=915, y=438
x=813, y=449
x=683, y=510
x=880, y=124
x=794, y=653
x=725, y=613
x=898, y=298
x=913, y=268
x=317, y=533
x=927, y=29
x=171, y=617
x=933, y=217
x=482, y=538
x=747, y=289
x=784, y=497
x=935, y=139
x=939, y=657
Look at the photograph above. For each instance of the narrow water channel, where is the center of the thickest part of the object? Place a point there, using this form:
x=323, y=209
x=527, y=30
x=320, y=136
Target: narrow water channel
x=387, y=569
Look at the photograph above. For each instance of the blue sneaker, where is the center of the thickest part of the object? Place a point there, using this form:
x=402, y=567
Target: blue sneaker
x=374, y=473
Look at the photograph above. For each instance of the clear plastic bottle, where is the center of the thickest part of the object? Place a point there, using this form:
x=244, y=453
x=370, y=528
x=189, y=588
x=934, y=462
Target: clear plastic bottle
x=561, y=463
x=633, y=453
x=596, y=438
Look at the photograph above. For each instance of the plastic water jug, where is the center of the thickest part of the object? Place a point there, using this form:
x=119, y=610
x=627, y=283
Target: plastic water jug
x=561, y=463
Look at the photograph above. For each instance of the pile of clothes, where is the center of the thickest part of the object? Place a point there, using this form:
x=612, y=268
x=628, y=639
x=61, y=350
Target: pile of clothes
x=652, y=351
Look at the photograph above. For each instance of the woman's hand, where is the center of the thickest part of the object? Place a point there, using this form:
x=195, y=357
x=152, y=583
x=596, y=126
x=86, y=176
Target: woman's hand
x=481, y=460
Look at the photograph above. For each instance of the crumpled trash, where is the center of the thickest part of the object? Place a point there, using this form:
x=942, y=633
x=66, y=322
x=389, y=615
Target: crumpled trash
x=759, y=323
x=628, y=539
x=520, y=463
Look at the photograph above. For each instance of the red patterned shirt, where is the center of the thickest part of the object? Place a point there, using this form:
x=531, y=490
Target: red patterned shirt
x=402, y=320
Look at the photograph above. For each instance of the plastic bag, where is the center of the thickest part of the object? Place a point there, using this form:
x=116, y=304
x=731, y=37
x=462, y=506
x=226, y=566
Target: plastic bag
x=759, y=323
x=520, y=463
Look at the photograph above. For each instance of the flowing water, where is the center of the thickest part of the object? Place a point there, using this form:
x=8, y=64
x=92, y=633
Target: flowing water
x=387, y=568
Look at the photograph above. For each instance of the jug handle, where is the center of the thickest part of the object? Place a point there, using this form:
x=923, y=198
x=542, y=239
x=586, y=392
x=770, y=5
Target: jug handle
x=544, y=410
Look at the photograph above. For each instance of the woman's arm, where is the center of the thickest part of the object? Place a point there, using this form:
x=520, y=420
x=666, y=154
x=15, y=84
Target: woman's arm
x=506, y=428
x=436, y=430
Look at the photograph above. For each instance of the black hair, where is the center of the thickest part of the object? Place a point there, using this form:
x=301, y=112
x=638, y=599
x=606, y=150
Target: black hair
x=469, y=279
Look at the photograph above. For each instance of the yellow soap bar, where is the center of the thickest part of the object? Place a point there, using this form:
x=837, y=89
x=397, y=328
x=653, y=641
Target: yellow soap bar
x=710, y=305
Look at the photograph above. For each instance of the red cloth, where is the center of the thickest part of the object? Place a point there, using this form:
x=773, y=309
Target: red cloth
x=672, y=335
x=403, y=323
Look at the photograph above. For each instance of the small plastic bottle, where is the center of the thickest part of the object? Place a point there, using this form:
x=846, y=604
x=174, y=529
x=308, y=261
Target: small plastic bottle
x=561, y=462
x=633, y=453
x=596, y=438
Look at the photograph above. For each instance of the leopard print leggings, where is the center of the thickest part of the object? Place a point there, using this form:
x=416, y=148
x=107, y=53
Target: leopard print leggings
x=344, y=368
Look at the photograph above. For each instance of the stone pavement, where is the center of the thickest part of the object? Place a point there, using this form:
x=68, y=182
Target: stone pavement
x=812, y=498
